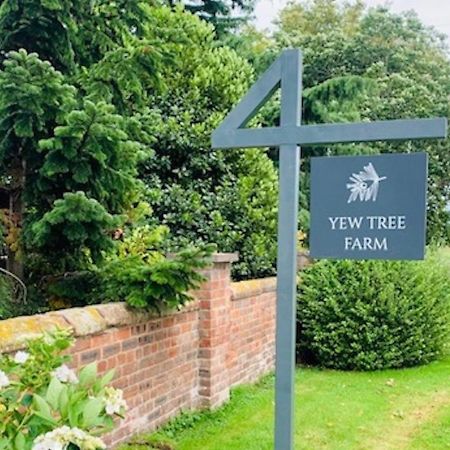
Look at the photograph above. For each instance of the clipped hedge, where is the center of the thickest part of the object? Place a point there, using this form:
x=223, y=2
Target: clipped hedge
x=368, y=315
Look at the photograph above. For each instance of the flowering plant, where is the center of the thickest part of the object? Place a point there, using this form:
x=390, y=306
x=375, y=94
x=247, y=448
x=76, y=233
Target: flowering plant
x=45, y=405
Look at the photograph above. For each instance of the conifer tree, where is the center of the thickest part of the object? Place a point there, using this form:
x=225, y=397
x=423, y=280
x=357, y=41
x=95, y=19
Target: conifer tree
x=224, y=15
x=69, y=142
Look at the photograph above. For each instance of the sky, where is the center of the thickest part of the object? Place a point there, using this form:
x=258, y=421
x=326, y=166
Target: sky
x=431, y=12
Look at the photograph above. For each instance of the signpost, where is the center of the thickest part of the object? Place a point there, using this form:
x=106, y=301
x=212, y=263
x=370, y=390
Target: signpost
x=286, y=72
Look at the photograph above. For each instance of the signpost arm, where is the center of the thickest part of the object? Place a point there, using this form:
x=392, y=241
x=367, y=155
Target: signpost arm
x=334, y=133
x=289, y=157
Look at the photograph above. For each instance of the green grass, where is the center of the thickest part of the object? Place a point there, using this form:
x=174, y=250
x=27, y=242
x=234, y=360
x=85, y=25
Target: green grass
x=435, y=434
x=395, y=409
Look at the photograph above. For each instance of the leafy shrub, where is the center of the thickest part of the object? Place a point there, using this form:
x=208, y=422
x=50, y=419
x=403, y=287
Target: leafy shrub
x=44, y=404
x=367, y=315
x=207, y=196
x=144, y=277
x=75, y=223
x=137, y=270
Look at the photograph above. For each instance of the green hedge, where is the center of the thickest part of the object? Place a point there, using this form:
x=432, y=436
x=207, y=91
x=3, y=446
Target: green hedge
x=367, y=315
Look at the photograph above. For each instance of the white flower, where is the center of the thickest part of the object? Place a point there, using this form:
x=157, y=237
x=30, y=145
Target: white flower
x=21, y=357
x=47, y=443
x=65, y=375
x=60, y=438
x=4, y=380
x=114, y=401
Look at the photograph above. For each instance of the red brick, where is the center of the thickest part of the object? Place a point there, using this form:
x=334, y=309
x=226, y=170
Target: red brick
x=101, y=339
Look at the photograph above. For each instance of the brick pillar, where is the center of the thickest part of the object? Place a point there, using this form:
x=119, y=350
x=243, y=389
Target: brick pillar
x=214, y=328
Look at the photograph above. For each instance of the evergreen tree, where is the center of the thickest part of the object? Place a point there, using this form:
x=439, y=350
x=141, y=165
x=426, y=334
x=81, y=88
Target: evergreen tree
x=224, y=15
x=70, y=143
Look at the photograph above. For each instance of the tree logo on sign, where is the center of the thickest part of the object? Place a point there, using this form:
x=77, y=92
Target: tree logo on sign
x=364, y=185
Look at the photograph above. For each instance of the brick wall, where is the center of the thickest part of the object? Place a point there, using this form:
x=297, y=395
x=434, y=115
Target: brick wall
x=178, y=361
x=252, y=330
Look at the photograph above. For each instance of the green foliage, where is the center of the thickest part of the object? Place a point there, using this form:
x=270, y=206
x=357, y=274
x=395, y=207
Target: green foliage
x=246, y=219
x=51, y=150
x=7, y=307
x=49, y=21
x=257, y=47
x=91, y=151
x=45, y=355
x=74, y=230
x=238, y=214
x=224, y=15
x=34, y=96
x=79, y=288
x=367, y=315
x=145, y=278
x=70, y=33
x=225, y=197
x=71, y=139
x=42, y=400
x=108, y=93
x=337, y=99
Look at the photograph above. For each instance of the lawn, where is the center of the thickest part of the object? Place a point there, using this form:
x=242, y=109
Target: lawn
x=389, y=410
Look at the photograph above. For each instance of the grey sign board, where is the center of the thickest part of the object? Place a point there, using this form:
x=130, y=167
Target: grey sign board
x=369, y=207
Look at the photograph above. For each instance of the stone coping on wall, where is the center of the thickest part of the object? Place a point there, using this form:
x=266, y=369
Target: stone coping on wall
x=224, y=257
x=252, y=288
x=84, y=321
x=91, y=320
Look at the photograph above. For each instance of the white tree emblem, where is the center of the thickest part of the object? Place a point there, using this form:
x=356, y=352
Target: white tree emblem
x=364, y=185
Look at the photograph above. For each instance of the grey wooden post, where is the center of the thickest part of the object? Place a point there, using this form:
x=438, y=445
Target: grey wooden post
x=289, y=157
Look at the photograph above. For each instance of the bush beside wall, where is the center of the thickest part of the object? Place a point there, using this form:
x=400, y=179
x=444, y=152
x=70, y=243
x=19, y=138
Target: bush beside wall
x=366, y=315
